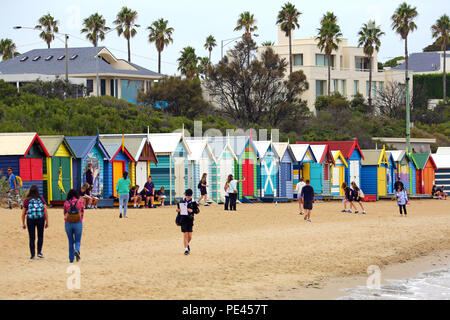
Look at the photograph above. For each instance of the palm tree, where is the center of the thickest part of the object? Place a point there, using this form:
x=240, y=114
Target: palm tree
x=187, y=63
x=204, y=65
x=268, y=44
x=246, y=22
x=369, y=39
x=161, y=35
x=329, y=35
x=95, y=27
x=125, y=22
x=8, y=49
x=403, y=24
x=210, y=44
x=288, y=21
x=49, y=27
x=441, y=31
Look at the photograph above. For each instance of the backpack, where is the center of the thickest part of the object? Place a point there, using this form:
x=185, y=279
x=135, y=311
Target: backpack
x=73, y=214
x=35, y=209
x=361, y=193
x=199, y=185
x=19, y=182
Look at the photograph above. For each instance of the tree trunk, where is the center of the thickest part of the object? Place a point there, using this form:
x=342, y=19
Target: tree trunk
x=129, y=50
x=210, y=56
x=329, y=75
x=370, y=83
x=444, y=76
x=159, y=61
x=290, y=51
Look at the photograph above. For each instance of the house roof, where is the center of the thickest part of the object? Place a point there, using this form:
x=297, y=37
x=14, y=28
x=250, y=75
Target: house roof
x=346, y=147
x=300, y=150
x=52, y=144
x=443, y=150
x=261, y=147
x=280, y=148
x=197, y=147
x=18, y=144
x=113, y=149
x=84, y=63
x=81, y=146
x=421, y=159
x=374, y=157
x=397, y=155
x=442, y=161
x=422, y=62
x=166, y=142
x=338, y=155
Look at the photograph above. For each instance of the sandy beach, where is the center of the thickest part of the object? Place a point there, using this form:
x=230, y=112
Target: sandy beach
x=263, y=251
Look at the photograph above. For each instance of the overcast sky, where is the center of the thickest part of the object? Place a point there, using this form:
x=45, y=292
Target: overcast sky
x=194, y=20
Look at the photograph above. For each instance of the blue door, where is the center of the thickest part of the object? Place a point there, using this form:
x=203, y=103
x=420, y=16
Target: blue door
x=316, y=177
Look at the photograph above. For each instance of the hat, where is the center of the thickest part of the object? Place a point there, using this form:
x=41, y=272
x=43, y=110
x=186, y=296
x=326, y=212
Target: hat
x=188, y=193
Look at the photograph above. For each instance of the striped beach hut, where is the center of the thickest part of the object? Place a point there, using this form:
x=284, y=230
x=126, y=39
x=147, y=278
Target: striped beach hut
x=26, y=154
x=248, y=169
x=374, y=172
x=442, y=175
x=59, y=176
x=172, y=168
x=89, y=150
x=201, y=160
x=141, y=150
x=303, y=158
x=285, y=173
x=391, y=173
x=425, y=172
x=268, y=164
x=338, y=173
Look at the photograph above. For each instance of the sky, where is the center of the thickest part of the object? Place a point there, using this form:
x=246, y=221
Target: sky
x=194, y=20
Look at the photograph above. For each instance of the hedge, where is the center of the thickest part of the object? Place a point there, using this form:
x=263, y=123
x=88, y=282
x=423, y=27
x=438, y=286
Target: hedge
x=432, y=83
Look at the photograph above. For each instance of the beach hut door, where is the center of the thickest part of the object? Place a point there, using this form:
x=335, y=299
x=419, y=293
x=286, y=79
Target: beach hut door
x=179, y=177
x=247, y=172
x=141, y=174
x=354, y=172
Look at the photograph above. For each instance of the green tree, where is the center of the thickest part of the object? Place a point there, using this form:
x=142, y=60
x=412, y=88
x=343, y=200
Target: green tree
x=246, y=22
x=210, y=43
x=161, y=35
x=329, y=36
x=392, y=63
x=369, y=39
x=268, y=44
x=204, y=65
x=188, y=63
x=435, y=46
x=49, y=27
x=8, y=49
x=441, y=31
x=288, y=21
x=95, y=28
x=126, y=23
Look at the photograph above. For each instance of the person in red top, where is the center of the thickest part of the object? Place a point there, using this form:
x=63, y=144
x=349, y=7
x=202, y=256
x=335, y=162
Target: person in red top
x=72, y=207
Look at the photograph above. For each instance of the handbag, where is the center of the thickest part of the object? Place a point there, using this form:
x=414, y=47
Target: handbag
x=178, y=220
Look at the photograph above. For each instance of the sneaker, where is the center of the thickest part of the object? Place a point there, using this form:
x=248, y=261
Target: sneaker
x=120, y=216
x=349, y=211
x=40, y=255
x=356, y=212
x=77, y=255
x=301, y=213
x=309, y=220
x=32, y=258
x=134, y=205
x=206, y=204
x=186, y=252
x=344, y=211
x=364, y=212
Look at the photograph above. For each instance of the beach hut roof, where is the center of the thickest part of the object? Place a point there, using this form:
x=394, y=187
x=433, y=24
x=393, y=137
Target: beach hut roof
x=113, y=148
x=18, y=144
x=218, y=146
x=134, y=143
x=261, y=147
x=421, y=160
x=300, y=151
x=443, y=151
x=197, y=148
x=375, y=157
x=81, y=146
x=397, y=155
x=280, y=148
x=322, y=152
x=391, y=159
x=166, y=142
x=337, y=154
x=346, y=147
x=52, y=144
x=442, y=161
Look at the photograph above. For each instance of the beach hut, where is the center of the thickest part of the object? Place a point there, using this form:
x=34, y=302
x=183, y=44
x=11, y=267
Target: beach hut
x=120, y=161
x=201, y=160
x=268, y=164
x=405, y=169
x=374, y=173
x=443, y=151
x=391, y=173
x=425, y=172
x=59, y=177
x=26, y=155
x=442, y=174
x=285, y=173
x=303, y=158
x=141, y=150
x=248, y=169
x=172, y=168
x=89, y=150
x=338, y=173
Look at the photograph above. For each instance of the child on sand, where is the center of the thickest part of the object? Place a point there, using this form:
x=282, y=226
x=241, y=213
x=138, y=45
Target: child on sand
x=348, y=198
x=185, y=218
x=357, y=197
x=308, y=198
x=402, y=199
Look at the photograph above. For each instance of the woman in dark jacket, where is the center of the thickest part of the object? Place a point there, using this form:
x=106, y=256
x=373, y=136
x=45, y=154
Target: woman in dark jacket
x=348, y=198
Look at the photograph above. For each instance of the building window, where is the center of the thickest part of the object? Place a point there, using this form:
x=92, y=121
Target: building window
x=335, y=85
x=380, y=86
x=111, y=84
x=374, y=89
x=343, y=89
x=320, y=87
x=322, y=61
x=116, y=86
x=298, y=59
x=102, y=87
x=367, y=88
x=361, y=63
x=89, y=86
x=355, y=87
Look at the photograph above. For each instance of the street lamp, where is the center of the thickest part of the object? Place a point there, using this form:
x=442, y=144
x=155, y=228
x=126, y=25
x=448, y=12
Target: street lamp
x=230, y=41
x=66, y=38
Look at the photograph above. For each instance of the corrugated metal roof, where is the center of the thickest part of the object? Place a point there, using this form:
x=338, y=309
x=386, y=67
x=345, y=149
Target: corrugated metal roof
x=372, y=157
x=111, y=147
x=15, y=144
x=442, y=161
x=443, y=150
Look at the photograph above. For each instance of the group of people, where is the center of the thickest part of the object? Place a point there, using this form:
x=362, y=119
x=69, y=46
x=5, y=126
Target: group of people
x=439, y=192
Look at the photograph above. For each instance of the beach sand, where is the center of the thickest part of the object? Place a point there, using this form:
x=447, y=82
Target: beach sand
x=262, y=251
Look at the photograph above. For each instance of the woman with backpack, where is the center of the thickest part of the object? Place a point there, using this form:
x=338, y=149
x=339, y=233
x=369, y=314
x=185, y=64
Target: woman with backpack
x=357, y=197
x=73, y=217
x=35, y=210
x=203, y=192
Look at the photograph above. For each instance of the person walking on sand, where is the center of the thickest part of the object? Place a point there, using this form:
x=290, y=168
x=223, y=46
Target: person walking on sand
x=357, y=197
x=73, y=218
x=402, y=199
x=227, y=193
x=233, y=191
x=308, y=199
x=202, y=185
x=298, y=190
x=348, y=198
x=123, y=190
x=14, y=190
x=35, y=211
x=186, y=210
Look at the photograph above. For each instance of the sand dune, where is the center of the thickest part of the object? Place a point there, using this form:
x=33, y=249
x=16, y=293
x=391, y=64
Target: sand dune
x=259, y=252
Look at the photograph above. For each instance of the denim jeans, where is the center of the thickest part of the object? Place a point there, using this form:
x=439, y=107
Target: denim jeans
x=227, y=202
x=123, y=203
x=74, y=231
x=233, y=199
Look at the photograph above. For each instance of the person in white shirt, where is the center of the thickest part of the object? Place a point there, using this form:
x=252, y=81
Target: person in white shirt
x=233, y=191
x=298, y=190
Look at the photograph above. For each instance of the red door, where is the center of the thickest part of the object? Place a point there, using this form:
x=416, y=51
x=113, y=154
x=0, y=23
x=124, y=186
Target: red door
x=419, y=182
x=247, y=172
